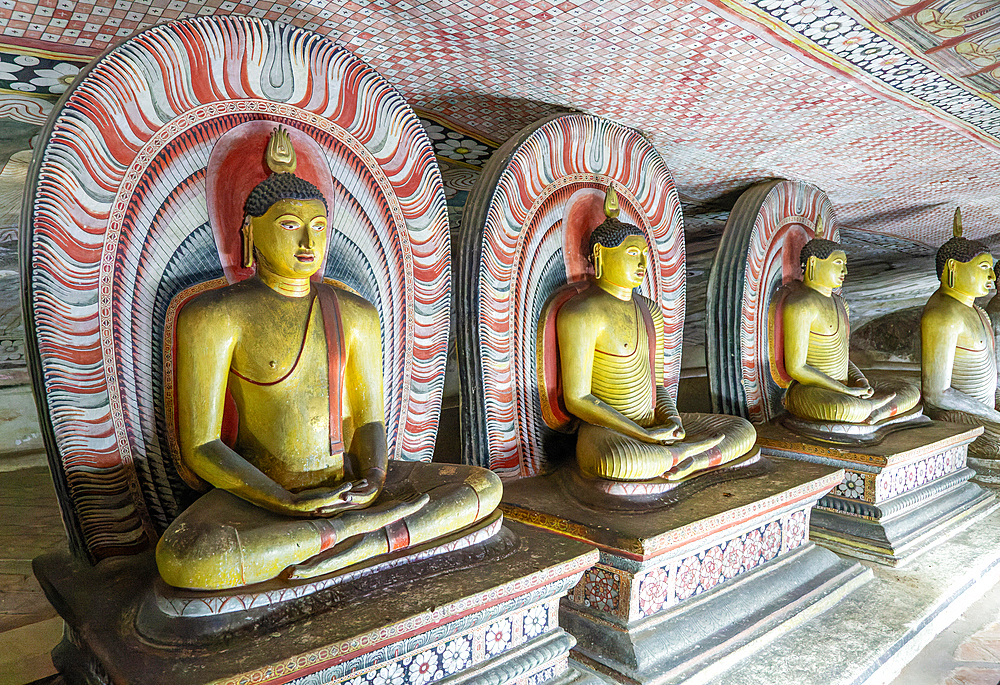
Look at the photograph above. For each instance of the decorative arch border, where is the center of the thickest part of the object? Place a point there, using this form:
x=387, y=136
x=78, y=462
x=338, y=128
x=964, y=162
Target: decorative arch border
x=511, y=261
x=119, y=201
x=758, y=254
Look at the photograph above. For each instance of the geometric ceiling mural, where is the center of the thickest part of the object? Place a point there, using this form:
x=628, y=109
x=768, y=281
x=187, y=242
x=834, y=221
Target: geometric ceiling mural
x=889, y=107
x=852, y=42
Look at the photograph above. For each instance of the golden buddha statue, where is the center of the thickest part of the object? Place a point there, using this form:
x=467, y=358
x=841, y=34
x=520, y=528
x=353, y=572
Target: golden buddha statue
x=307, y=488
x=826, y=386
x=957, y=359
x=611, y=364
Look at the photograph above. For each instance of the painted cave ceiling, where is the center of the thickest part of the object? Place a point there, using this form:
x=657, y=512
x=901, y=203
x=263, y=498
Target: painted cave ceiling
x=891, y=106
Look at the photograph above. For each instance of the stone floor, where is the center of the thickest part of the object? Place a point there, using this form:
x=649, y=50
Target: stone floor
x=29, y=525
x=966, y=653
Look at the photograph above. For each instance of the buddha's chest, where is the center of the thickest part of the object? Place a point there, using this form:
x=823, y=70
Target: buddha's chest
x=973, y=336
x=283, y=348
x=830, y=320
x=620, y=331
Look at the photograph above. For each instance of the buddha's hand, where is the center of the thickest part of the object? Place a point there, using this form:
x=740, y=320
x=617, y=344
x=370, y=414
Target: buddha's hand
x=863, y=390
x=362, y=492
x=670, y=432
x=349, y=495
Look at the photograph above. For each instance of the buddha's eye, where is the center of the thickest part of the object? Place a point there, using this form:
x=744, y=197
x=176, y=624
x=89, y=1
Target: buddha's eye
x=319, y=225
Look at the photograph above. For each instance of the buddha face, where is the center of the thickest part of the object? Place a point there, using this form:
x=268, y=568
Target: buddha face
x=975, y=277
x=290, y=238
x=829, y=272
x=625, y=265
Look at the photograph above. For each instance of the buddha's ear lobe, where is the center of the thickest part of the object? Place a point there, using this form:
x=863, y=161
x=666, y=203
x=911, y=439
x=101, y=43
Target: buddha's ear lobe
x=247, y=233
x=949, y=269
x=811, y=267
x=596, y=258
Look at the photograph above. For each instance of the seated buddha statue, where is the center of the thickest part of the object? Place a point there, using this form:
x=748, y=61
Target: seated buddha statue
x=826, y=386
x=610, y=343
x=957, y=359
x=307, y=487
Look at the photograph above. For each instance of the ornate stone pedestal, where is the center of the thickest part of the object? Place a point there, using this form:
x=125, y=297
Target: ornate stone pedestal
x=692, y=583
x=899, y=498
x=487, y=615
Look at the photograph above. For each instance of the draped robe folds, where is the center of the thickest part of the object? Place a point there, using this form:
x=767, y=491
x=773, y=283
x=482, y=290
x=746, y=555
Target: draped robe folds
x=974, y=373
x=628, y=384
x=828, y=353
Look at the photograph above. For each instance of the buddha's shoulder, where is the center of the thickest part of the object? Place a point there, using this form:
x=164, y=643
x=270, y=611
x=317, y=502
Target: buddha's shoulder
x=942, y=310
x=798, y=294
x=353, y=308
x=587, y=302
x=220, y=301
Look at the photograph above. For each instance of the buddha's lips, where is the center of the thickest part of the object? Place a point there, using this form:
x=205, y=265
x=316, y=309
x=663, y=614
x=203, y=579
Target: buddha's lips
x=306, y=257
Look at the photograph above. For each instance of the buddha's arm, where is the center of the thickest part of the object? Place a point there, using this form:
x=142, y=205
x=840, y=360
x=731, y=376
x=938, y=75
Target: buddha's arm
x=797, y=318
x=577, y=332
x=855, y=378
x=666, y=415
x=206, y=339
x=363, y=389
x=939, y=331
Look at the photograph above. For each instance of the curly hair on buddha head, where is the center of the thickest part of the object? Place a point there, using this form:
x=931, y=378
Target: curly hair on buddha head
x=958, y=248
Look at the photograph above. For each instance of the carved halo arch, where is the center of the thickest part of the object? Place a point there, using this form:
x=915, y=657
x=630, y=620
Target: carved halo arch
x=117, y=225
x=512, y=258
x=759, y=253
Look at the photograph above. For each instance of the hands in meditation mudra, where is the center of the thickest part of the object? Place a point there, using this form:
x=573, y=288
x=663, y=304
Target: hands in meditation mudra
x=610, y=343
x=307, y=488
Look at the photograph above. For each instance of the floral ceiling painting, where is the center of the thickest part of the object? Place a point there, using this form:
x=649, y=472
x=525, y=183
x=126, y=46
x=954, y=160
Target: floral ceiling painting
x=959, y=37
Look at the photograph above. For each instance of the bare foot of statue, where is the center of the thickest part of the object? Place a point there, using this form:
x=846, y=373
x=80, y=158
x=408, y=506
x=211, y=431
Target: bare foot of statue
x=683, y=450
x=359, y=537
x=878, y=412
x=378, y=516
x=688, y=453
x=683, y=469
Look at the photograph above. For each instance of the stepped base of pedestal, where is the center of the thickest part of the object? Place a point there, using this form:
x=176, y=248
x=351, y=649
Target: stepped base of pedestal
x=492, y=621
x=688, y=586
x=899, y=498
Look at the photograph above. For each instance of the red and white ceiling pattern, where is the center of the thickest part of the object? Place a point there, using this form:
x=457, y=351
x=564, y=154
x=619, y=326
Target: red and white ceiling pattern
x=729, y=91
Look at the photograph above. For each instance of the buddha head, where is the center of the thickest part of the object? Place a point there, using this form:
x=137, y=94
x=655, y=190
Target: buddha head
x=284, y=217
x=823, y=262
x=618, y=250
x=964, y=265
